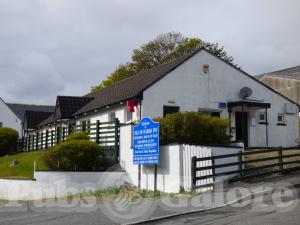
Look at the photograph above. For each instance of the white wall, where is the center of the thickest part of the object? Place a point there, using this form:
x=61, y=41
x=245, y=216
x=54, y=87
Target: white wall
x=9, y=119
x=58, y=184
x=103, y=115
x=174, y=170
x=191, y=89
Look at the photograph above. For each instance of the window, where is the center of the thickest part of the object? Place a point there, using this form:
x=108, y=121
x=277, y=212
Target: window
x=128, y=116
x=170, y=109
x=112, y=116
x=262, y=117
x=209, y=112
x=280, y=118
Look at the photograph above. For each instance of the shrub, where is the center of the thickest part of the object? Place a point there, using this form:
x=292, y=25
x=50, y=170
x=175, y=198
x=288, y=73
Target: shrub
x=74, y=155
x=193, y=128
x=78, y=135
x=8, y=140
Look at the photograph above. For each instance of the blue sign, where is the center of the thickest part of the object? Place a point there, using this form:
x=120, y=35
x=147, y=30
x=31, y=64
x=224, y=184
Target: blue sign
x=146, y=142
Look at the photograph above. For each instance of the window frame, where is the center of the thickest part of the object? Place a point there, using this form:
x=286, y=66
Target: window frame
x=128, y=119
x=110, y=116
x=262, y=121
x=170, y=107
x=281, y=122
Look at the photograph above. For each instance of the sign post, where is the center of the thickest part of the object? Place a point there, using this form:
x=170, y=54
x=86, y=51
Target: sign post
x=146, y=145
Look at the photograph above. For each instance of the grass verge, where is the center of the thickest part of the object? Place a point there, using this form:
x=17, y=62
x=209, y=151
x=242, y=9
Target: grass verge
x=24, y=167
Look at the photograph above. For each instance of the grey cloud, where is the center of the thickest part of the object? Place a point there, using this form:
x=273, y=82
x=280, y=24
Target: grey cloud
x=53, y=47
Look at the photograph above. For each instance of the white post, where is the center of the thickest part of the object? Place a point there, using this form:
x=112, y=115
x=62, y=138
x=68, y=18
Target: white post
x=34, y=168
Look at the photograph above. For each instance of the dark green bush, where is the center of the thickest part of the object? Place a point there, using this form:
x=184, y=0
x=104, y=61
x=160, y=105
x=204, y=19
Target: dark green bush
x=78, y=135
x=193, y=128
x=74, y=155
x=8, y=140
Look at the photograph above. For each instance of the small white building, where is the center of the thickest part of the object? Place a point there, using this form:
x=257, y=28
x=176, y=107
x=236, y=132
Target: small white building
x=201, y=82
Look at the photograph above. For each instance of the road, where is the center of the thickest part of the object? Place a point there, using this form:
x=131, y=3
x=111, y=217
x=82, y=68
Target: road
x=262, y=211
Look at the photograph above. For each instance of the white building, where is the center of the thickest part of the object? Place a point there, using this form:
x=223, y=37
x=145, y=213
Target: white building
x=201, y=82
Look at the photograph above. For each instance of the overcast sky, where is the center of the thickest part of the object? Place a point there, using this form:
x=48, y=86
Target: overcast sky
x=63, y=47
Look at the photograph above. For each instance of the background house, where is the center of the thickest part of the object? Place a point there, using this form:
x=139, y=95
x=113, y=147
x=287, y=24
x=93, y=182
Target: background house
x=12, y=115
x=286, y=81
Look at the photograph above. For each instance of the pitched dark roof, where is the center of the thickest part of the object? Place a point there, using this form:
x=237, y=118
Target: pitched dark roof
x=33, y=118
x=132, y=86
x=47, y=121
x=289, y=73
x=68, y=105
x=20, y=109
x=135, y=85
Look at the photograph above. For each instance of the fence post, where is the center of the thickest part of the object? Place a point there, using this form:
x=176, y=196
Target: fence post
x=63, y=133
x=240, y=164
x=25, y=144
x=69, y=129
x=42, y=137
x=46, y=143
x=280, y=159
x=52, y=134
x=117, y=124
x=32, y=142
x=83, y=126
x=36, y=141
x=89, y=127
x=193, y=174
x=213, y=171
x=29, y=142
x=57, y=135
x=97, y=131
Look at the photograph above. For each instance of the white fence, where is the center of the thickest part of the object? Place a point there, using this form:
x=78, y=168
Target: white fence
x=174, y=170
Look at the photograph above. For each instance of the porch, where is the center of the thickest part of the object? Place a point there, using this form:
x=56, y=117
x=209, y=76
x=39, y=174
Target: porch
x=242, y=118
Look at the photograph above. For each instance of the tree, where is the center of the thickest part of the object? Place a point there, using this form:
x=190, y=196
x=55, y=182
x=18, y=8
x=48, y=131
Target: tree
x=164, y=48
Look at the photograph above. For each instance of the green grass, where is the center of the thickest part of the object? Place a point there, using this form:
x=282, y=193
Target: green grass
x=24, y=169
x=271, y=154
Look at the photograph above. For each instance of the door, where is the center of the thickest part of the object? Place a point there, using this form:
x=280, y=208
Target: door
x=241, y=127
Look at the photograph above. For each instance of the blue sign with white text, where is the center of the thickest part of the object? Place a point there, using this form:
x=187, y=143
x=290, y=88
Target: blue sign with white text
x=146, y=142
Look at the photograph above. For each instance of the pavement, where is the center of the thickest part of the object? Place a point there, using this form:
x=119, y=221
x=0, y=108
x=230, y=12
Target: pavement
x=240, y=203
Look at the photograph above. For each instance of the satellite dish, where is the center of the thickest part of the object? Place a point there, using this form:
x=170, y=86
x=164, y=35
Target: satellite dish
x=245, y=92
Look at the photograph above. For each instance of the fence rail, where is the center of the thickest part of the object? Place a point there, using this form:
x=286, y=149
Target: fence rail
x=243, y=167
x=105, y=134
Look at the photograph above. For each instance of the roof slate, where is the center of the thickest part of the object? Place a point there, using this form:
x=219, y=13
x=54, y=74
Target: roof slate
x=20, y=109
x=68, y=105
x=290, y=73
x=47, y=121
x=132, y=86
x=33, y=118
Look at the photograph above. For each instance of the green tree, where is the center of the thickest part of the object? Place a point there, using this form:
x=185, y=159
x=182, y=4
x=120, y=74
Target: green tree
x=164, y=48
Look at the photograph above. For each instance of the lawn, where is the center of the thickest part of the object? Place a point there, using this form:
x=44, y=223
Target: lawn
x=271, y=154
x=24, y=168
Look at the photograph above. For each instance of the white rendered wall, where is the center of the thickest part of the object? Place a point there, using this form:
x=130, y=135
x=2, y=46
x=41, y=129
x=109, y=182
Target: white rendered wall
x=9, y=119
x=191, y=89
x=58, y=184
x=103, y=115
x=174, y=170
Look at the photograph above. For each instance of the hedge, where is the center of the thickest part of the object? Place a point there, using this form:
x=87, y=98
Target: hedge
x=8, y=140
x=193, y=128
x=76, y=153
